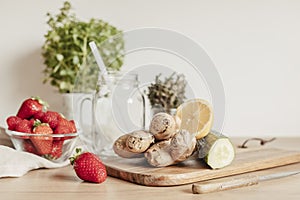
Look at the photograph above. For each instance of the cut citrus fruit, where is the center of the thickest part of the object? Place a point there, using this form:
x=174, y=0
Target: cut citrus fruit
x=196, y=116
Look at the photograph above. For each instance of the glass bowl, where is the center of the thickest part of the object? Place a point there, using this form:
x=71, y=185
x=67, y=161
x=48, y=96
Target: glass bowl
x=54, y=147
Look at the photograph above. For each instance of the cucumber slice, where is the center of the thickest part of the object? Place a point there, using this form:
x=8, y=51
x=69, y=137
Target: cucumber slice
x=216, y=150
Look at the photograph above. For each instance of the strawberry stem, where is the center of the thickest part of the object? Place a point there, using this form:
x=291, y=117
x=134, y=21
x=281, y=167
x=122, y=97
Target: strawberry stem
x=36, y=123
x=78, y=152
x=42, y=102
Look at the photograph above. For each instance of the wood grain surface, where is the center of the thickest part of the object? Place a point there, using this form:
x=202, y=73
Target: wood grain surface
x=193, y=170
x=62, y=183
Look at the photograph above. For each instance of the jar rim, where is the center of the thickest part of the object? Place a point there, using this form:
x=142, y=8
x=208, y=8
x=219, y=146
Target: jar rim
x=120, y=75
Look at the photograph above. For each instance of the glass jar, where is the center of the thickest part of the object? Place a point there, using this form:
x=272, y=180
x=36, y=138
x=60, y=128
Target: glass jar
x=118, y=108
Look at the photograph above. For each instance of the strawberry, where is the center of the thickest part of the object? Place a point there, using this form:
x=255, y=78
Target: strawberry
x=73, y=126
x=30, y=107
x=28, y=147
x=65, y=126
x=32, y=121
x=24, y=126
x=56, y=151
x=88, y=167
x=12, y=121
x=39, y=115
x=43, y=144
x=62, y=129
x=63, y=121
x=51, y=117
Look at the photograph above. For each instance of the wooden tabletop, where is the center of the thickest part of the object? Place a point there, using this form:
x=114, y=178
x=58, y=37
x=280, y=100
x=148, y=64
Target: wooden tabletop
x=62, y=183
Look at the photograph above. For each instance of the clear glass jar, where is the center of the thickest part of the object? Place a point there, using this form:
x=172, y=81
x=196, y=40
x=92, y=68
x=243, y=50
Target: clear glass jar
x=118, y=108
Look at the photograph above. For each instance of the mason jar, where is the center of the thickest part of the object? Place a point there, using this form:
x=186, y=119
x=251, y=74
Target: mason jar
x=118, y=108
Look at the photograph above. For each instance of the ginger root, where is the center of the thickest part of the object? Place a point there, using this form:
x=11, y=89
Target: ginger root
x=171, y=151
x=122, y=150
x=163, y=126
x=139, y=141
x=163, y=145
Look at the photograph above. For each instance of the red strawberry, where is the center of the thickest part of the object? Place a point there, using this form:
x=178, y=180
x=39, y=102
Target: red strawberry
x=51, y=117
x=88, y=167
x=43, y=144
x=30, y=107
x=73, y=126
x=63, y=121
x=28, y=147
x=65, y=126
x=56, y=151
x=32, y=121
x=39, y=115
x=24, y=126
x=62, y=129
x=12, y=121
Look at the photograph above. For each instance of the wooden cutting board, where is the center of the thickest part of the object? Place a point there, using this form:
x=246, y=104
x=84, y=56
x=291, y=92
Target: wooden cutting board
x=138, y=171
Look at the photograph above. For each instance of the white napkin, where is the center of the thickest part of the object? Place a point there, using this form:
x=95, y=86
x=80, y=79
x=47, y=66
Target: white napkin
x=15, y=163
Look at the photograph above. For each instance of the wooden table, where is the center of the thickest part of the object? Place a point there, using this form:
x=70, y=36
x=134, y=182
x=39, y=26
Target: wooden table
x=62, y=183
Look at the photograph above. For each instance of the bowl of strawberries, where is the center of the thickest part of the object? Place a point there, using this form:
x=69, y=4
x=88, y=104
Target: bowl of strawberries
x=35, y=129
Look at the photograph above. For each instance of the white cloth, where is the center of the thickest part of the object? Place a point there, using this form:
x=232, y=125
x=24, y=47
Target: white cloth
x=15, y=163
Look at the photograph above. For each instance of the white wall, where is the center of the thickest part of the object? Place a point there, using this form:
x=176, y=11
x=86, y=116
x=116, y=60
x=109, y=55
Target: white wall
x=254, y=45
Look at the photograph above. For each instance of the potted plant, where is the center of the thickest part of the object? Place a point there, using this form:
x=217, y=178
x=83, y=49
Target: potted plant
x=166, y=95
x=69, y=63
x=67, y=55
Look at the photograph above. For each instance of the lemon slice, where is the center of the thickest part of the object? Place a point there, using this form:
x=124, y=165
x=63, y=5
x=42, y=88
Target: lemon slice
x=196, y=116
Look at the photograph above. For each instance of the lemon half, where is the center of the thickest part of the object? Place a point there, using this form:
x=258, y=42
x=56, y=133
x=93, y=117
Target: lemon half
x=196, y=116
